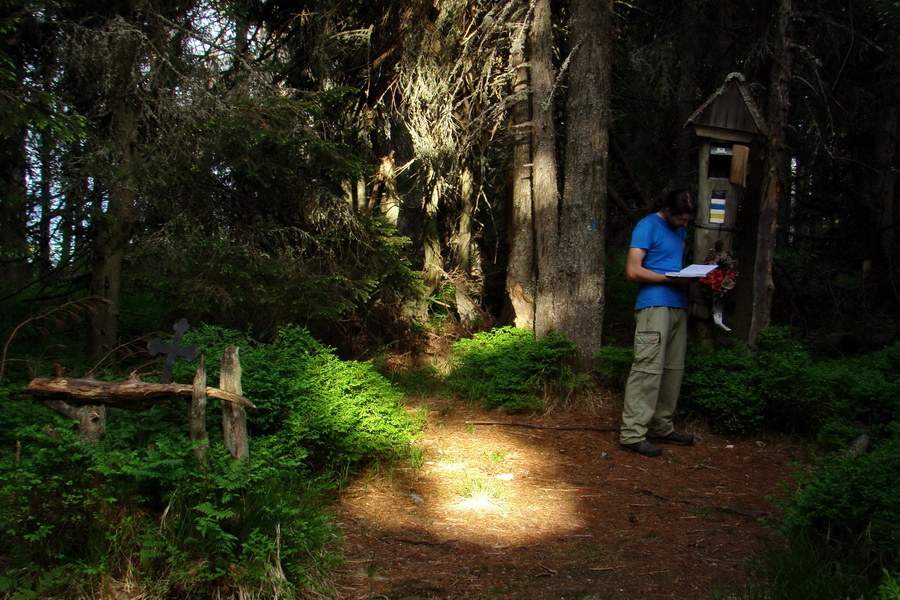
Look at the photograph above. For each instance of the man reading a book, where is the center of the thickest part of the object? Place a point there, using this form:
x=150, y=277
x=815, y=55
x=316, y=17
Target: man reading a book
x=660, y=338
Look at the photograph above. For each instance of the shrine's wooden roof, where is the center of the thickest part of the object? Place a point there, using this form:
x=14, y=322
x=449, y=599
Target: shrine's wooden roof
x=729, y=108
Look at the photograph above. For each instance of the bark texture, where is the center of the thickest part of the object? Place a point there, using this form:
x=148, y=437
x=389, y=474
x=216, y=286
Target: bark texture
x=583, y=223
x=91, y=419
x=775, y=176
x=234, y=417
x=544, y=173
x=197, y=414
x=115, y=227
x=132, y=395
x=520, y=282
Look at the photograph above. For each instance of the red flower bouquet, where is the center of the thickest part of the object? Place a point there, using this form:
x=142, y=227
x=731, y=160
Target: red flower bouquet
x=720, y=282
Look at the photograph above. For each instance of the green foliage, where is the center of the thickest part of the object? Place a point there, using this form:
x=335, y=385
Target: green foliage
x=26, y=103
x=284, y=275
x=317, y=409
x=509, y=367
x=785, y=385
x=419, y=381
x=842, y=534
x=614, y=363
x=258, y=232
x=344, y=412
x=889, y=589
x=724, y=385
x=850, y=393
x=138, y=507
x=851, y=506
x=620, y=293
x=150, y=513
x=37, y=334
x=43, y=495
x=842, y=523
x=800, y=570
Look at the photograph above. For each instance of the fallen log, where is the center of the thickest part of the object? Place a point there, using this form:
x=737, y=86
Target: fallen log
x=131, y=394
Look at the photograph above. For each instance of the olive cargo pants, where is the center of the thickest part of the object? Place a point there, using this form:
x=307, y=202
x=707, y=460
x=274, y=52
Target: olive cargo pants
x=651, y=394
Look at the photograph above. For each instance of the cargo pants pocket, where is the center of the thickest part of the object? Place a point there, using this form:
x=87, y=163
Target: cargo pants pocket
x=647, y=352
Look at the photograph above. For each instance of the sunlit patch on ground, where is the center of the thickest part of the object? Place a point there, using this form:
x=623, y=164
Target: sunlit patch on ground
x=508, y=492
x=531, y=512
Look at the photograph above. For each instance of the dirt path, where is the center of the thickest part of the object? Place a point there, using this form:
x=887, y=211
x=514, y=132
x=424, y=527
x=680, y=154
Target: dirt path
x=521, y=513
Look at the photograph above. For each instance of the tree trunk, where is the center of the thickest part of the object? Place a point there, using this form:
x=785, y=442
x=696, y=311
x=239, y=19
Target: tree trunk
x=687, y=59
x=13, y=213
x=544, y=173
x=234, y=417
x=113, y=232
x=520, y=267
x=466, y=220
x=433, y=264
x=466, y=291
x=44, y=234
x=883, y=181
x=775, y=176
x=583, y=223
x=384, y=193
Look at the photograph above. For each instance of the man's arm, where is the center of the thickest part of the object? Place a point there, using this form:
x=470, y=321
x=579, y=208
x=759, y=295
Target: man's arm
x=635, y=271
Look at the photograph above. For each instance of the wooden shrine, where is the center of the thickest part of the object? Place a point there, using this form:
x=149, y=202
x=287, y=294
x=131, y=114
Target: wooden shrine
x=727, y=124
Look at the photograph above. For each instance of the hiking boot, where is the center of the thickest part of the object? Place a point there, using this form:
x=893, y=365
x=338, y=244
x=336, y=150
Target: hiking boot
x=643, y=447
x=679, y=439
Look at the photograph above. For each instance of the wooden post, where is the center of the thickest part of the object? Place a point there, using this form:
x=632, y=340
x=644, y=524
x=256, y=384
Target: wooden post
x=197, y=414
x=234, y=417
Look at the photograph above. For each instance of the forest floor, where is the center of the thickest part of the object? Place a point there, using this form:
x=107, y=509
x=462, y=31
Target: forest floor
x=536, y=511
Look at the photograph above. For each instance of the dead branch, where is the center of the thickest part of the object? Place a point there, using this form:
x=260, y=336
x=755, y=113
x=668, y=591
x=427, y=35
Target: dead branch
x=69, y=309
x=724, y=509
x=557, y=428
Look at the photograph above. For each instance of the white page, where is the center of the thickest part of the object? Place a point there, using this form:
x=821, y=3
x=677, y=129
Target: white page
x=693, y=271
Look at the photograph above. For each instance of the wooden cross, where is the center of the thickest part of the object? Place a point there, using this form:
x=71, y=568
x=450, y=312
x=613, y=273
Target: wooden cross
x=173, y=350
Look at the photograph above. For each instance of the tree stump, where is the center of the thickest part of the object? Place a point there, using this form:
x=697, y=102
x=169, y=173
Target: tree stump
x=197, y=415
x=234, y=417
x=91, y=419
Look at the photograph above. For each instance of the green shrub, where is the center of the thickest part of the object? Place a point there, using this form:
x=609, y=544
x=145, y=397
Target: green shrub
x=620, y=293
x=342, y=412
x=426, y=380
x=851, y=506
x=725, y=386
x=786, y=380
x=800, y=570
x=509, y=367
x=44, y=498
x=736, y=389
x=889, y=588
x=842, y=534
x=614, y=363
x=864, y=390
x=137, y=507
x=784, y=385
x=319, y=409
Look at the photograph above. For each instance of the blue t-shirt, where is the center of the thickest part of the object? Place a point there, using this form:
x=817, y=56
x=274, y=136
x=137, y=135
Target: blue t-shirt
x=665, y=246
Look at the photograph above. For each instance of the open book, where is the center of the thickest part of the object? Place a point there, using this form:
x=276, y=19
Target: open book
x=693, y=271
